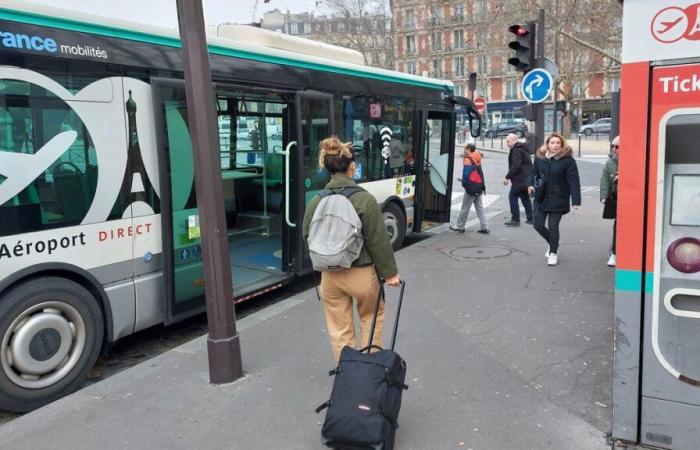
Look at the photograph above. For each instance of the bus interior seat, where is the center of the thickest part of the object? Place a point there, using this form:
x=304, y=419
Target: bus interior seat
x=72, y=190
x=249, y=197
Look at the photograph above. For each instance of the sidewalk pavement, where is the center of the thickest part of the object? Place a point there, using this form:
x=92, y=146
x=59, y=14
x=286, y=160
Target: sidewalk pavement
x=502, y=351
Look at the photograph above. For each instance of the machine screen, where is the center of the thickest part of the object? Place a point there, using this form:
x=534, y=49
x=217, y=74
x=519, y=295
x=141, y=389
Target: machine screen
x=685, y=200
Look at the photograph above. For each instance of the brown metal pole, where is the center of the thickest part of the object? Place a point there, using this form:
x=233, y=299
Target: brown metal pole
x=223, y=344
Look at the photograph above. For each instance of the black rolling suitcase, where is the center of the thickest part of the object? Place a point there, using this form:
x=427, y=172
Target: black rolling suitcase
x=366, y=396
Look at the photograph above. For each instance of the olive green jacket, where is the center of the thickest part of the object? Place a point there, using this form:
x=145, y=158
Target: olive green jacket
x=377, y=248
x=606, y=184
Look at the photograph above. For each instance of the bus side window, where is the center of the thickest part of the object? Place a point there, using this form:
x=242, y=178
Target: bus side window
x=61, y=191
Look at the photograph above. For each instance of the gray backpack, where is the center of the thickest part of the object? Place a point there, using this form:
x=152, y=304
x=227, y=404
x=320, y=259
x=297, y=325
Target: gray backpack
x=335, y=235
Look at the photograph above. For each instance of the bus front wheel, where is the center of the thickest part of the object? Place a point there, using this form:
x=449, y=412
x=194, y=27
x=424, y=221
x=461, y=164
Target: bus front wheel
x=51, y=330
x=395, y=223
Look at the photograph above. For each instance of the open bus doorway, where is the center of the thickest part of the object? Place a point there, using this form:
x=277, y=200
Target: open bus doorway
x=251, y=130
x=435, y=187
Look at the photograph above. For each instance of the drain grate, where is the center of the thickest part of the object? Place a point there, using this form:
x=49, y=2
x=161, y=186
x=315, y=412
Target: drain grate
x=479, y=252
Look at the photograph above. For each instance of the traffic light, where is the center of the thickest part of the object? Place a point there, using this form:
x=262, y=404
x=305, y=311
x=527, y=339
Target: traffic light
x=524, y=46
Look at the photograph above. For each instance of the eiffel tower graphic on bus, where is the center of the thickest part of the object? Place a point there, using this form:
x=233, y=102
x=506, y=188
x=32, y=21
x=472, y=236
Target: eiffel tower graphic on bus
x=136, y=186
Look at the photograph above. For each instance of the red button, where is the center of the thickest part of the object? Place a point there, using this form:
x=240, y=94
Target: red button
x=684, y=255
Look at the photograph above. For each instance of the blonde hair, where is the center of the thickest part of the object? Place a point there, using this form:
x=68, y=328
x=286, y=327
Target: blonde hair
x=334, y=155
x=545, y=146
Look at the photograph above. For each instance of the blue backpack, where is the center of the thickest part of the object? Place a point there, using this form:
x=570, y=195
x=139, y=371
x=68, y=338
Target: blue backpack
x=473, y=178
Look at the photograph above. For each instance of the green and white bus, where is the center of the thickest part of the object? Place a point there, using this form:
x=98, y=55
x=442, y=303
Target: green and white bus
x=99, y=233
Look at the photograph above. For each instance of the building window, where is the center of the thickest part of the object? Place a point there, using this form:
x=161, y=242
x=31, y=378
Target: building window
x=459, y=39
x=459, y=90
x=459, y=67
x=577, y=89
x=613, y=83
x=437, y=73
x=410, y=19
x=410, y=44
x=294, y=28
x=341, y=26
x=459, y=11
x=483, y=64
x=411, y=67
x=436, y=12
x=436, y=40
x=511, y=89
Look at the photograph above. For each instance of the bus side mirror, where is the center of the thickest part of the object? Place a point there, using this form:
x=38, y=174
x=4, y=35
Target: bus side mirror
x=474, y=123
x=474, y=116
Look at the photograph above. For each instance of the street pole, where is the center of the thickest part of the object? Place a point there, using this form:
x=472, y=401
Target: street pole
x=556, y=62
x=223, y=345
x=539, y=107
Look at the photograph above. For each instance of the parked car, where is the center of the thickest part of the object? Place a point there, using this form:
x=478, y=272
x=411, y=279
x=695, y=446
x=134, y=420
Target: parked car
x=505, y=128
x=599, y=126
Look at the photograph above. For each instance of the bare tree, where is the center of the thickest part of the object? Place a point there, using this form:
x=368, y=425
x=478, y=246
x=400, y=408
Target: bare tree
x=368, y=27
x=586, y=35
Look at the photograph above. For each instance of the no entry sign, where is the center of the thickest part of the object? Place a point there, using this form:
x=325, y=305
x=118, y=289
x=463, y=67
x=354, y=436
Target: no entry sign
x=480, y=103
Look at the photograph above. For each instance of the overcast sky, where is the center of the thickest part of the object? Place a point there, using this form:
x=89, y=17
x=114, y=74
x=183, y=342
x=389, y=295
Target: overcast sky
x=163, y=12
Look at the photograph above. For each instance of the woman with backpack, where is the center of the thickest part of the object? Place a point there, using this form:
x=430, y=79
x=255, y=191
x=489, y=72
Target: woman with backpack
x=340, y=286
x=555, y=182
x=474, y=188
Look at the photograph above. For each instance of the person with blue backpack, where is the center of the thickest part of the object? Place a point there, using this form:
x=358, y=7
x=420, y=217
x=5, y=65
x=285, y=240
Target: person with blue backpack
x=474, y=188
x=348, y=243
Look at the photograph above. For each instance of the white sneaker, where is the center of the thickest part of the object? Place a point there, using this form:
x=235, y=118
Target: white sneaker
x=546, y=254
x=552, y=259
x=612, y=261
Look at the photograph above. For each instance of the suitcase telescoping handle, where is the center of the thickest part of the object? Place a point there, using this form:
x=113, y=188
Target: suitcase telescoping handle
x=376, y=312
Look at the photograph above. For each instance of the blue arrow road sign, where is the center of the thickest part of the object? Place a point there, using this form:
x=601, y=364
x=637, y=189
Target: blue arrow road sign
x=537, y=85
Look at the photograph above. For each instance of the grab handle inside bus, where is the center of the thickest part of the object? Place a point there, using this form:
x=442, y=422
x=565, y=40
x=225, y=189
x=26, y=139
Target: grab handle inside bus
x=287, y=155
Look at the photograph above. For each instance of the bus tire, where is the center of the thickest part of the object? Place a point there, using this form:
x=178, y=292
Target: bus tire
x=395, y=222
x=51, y=332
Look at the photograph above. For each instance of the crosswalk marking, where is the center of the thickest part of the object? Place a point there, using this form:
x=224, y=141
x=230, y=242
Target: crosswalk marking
x=458, y=196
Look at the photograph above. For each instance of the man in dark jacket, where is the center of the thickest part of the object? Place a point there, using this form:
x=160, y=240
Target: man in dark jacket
x=519, y=168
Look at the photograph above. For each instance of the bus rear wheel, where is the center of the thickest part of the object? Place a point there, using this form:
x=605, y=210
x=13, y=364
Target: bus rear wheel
x=395, y=223
x=51, y=330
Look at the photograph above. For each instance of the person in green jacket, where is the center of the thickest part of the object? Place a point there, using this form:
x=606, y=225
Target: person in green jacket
x=608, y=193
x=359, y=282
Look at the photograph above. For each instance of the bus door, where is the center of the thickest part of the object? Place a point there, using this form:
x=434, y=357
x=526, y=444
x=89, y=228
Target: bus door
x=250, y=144
x=435, y=165
x=671, y=364
x=182, y=267
x=313, y=123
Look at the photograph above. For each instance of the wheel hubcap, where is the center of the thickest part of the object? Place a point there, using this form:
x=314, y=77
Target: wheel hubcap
x=42, y=344
x=392, y=226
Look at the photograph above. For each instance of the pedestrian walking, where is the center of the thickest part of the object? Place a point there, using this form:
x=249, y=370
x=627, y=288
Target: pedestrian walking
x=474, y=190
x=608, y=193
x=519, y=168
x=376, y=256
x=397, y=154
x=555, y=183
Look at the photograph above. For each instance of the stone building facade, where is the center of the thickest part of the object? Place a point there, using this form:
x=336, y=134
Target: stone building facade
x=451, y=39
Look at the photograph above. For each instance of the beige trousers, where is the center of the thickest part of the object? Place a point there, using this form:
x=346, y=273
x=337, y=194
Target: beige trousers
x=338, y=289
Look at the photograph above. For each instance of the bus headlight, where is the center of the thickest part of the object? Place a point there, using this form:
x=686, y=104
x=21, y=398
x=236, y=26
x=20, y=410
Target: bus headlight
x=684, y=255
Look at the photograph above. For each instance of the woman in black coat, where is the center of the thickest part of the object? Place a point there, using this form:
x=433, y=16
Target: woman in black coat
x=555, y=182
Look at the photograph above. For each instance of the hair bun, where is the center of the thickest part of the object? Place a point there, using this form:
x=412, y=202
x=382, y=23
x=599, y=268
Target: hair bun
x=332, y=146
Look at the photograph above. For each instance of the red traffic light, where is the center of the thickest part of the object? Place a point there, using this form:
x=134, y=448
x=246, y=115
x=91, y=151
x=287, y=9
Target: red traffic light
x=519, y=30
